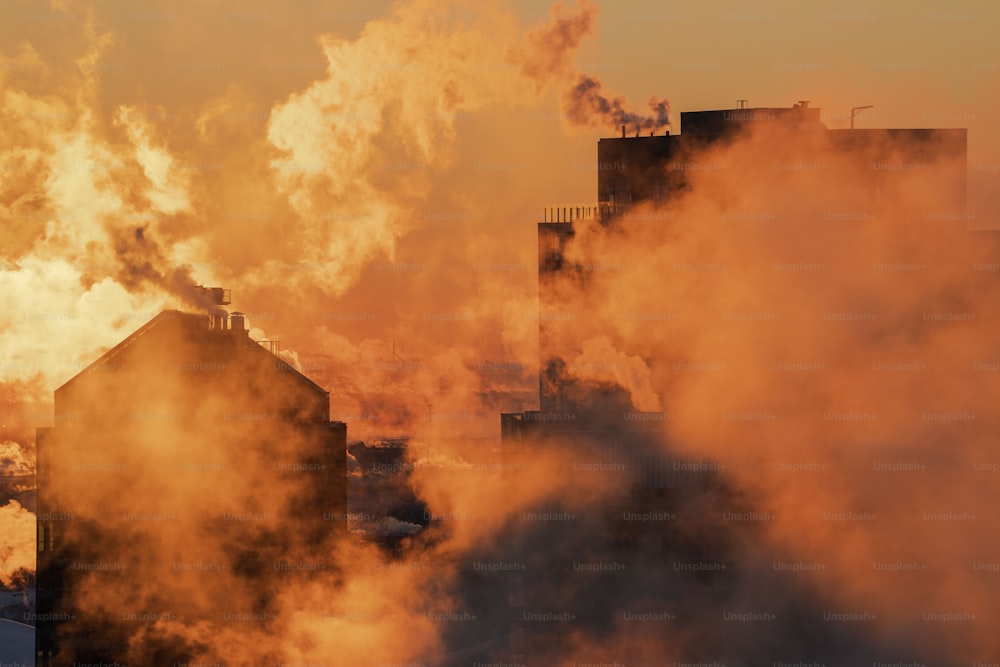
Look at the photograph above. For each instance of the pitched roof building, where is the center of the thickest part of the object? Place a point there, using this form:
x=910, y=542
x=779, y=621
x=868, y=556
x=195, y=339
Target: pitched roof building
x=187, y=466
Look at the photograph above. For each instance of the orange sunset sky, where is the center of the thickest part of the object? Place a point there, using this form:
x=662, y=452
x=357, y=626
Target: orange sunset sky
x=367, y=179
x=90, y=90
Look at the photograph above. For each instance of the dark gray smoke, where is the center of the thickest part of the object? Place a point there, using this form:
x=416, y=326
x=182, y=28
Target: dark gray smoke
x=586, y=103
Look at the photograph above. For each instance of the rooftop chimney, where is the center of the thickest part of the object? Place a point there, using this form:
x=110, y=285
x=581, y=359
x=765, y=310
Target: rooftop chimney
x=214, y=296
x=238, y=324
x=218, y=320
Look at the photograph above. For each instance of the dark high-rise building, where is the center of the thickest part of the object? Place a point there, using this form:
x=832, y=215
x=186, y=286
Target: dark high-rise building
x=850, y=175
x=633, y=170
x=187, y=468
x=860, y=169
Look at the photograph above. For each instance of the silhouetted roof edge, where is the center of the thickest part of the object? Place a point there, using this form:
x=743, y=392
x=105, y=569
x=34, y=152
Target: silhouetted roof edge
x=114, y=351
x=151, y=324
x=296, y=372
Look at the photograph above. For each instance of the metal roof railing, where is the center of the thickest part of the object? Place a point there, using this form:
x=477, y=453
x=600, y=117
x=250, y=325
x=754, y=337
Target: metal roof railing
x=602, y=210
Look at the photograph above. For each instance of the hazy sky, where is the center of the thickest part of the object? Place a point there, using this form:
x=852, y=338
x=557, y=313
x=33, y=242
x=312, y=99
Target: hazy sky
x=315, y=155
x=368, y=183
x=920, y=63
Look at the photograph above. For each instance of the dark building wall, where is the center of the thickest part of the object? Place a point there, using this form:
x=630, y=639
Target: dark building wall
x=633, y=169
x=652, y=168
x=717, y=124
x=552, y=322
x=187, y=463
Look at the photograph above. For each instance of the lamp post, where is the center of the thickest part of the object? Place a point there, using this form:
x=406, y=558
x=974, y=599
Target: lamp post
x=856, y=110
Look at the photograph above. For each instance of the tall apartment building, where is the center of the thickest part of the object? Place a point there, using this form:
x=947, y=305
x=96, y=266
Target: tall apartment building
x=857, y=170
x=653, y=170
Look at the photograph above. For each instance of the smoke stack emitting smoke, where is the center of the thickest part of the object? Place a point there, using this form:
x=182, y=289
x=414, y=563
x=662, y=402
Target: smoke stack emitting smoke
x=368, y=607
x=586, y=103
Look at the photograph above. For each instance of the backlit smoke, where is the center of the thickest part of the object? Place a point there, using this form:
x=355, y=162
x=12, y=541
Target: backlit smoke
x=17, y=553
x=366, y=217
x=17, y=488
x=365, y=137
x=549, y=49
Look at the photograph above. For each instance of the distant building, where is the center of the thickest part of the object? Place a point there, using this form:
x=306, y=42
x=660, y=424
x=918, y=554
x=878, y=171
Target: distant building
x=639, y=169
x=185, y=459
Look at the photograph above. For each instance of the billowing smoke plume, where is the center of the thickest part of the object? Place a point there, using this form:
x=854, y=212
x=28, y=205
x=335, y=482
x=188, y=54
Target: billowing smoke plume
x=369, y=208
x=586, y=103
x=17, y=553
x=819, y=337
x=548, y=50
x=116, y=208
x=365, y=136
x=17, y=488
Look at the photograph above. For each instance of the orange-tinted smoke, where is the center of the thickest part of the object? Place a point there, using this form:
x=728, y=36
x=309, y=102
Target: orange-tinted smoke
x=829, y=348
x=17, y=554
x=128, y=208
x=354, y=176
x=548, y=50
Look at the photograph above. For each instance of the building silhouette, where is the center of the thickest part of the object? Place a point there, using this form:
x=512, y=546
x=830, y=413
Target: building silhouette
x=654, y=171
x=186, y=464
x=858, y=170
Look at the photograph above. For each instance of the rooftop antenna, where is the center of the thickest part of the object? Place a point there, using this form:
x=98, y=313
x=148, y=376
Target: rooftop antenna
x=856, y=110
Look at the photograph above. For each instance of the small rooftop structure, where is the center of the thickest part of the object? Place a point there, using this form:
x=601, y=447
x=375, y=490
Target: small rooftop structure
x=722, y=122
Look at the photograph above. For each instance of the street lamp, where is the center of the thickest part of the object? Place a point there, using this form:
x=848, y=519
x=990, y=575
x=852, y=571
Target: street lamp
x=856, y=110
